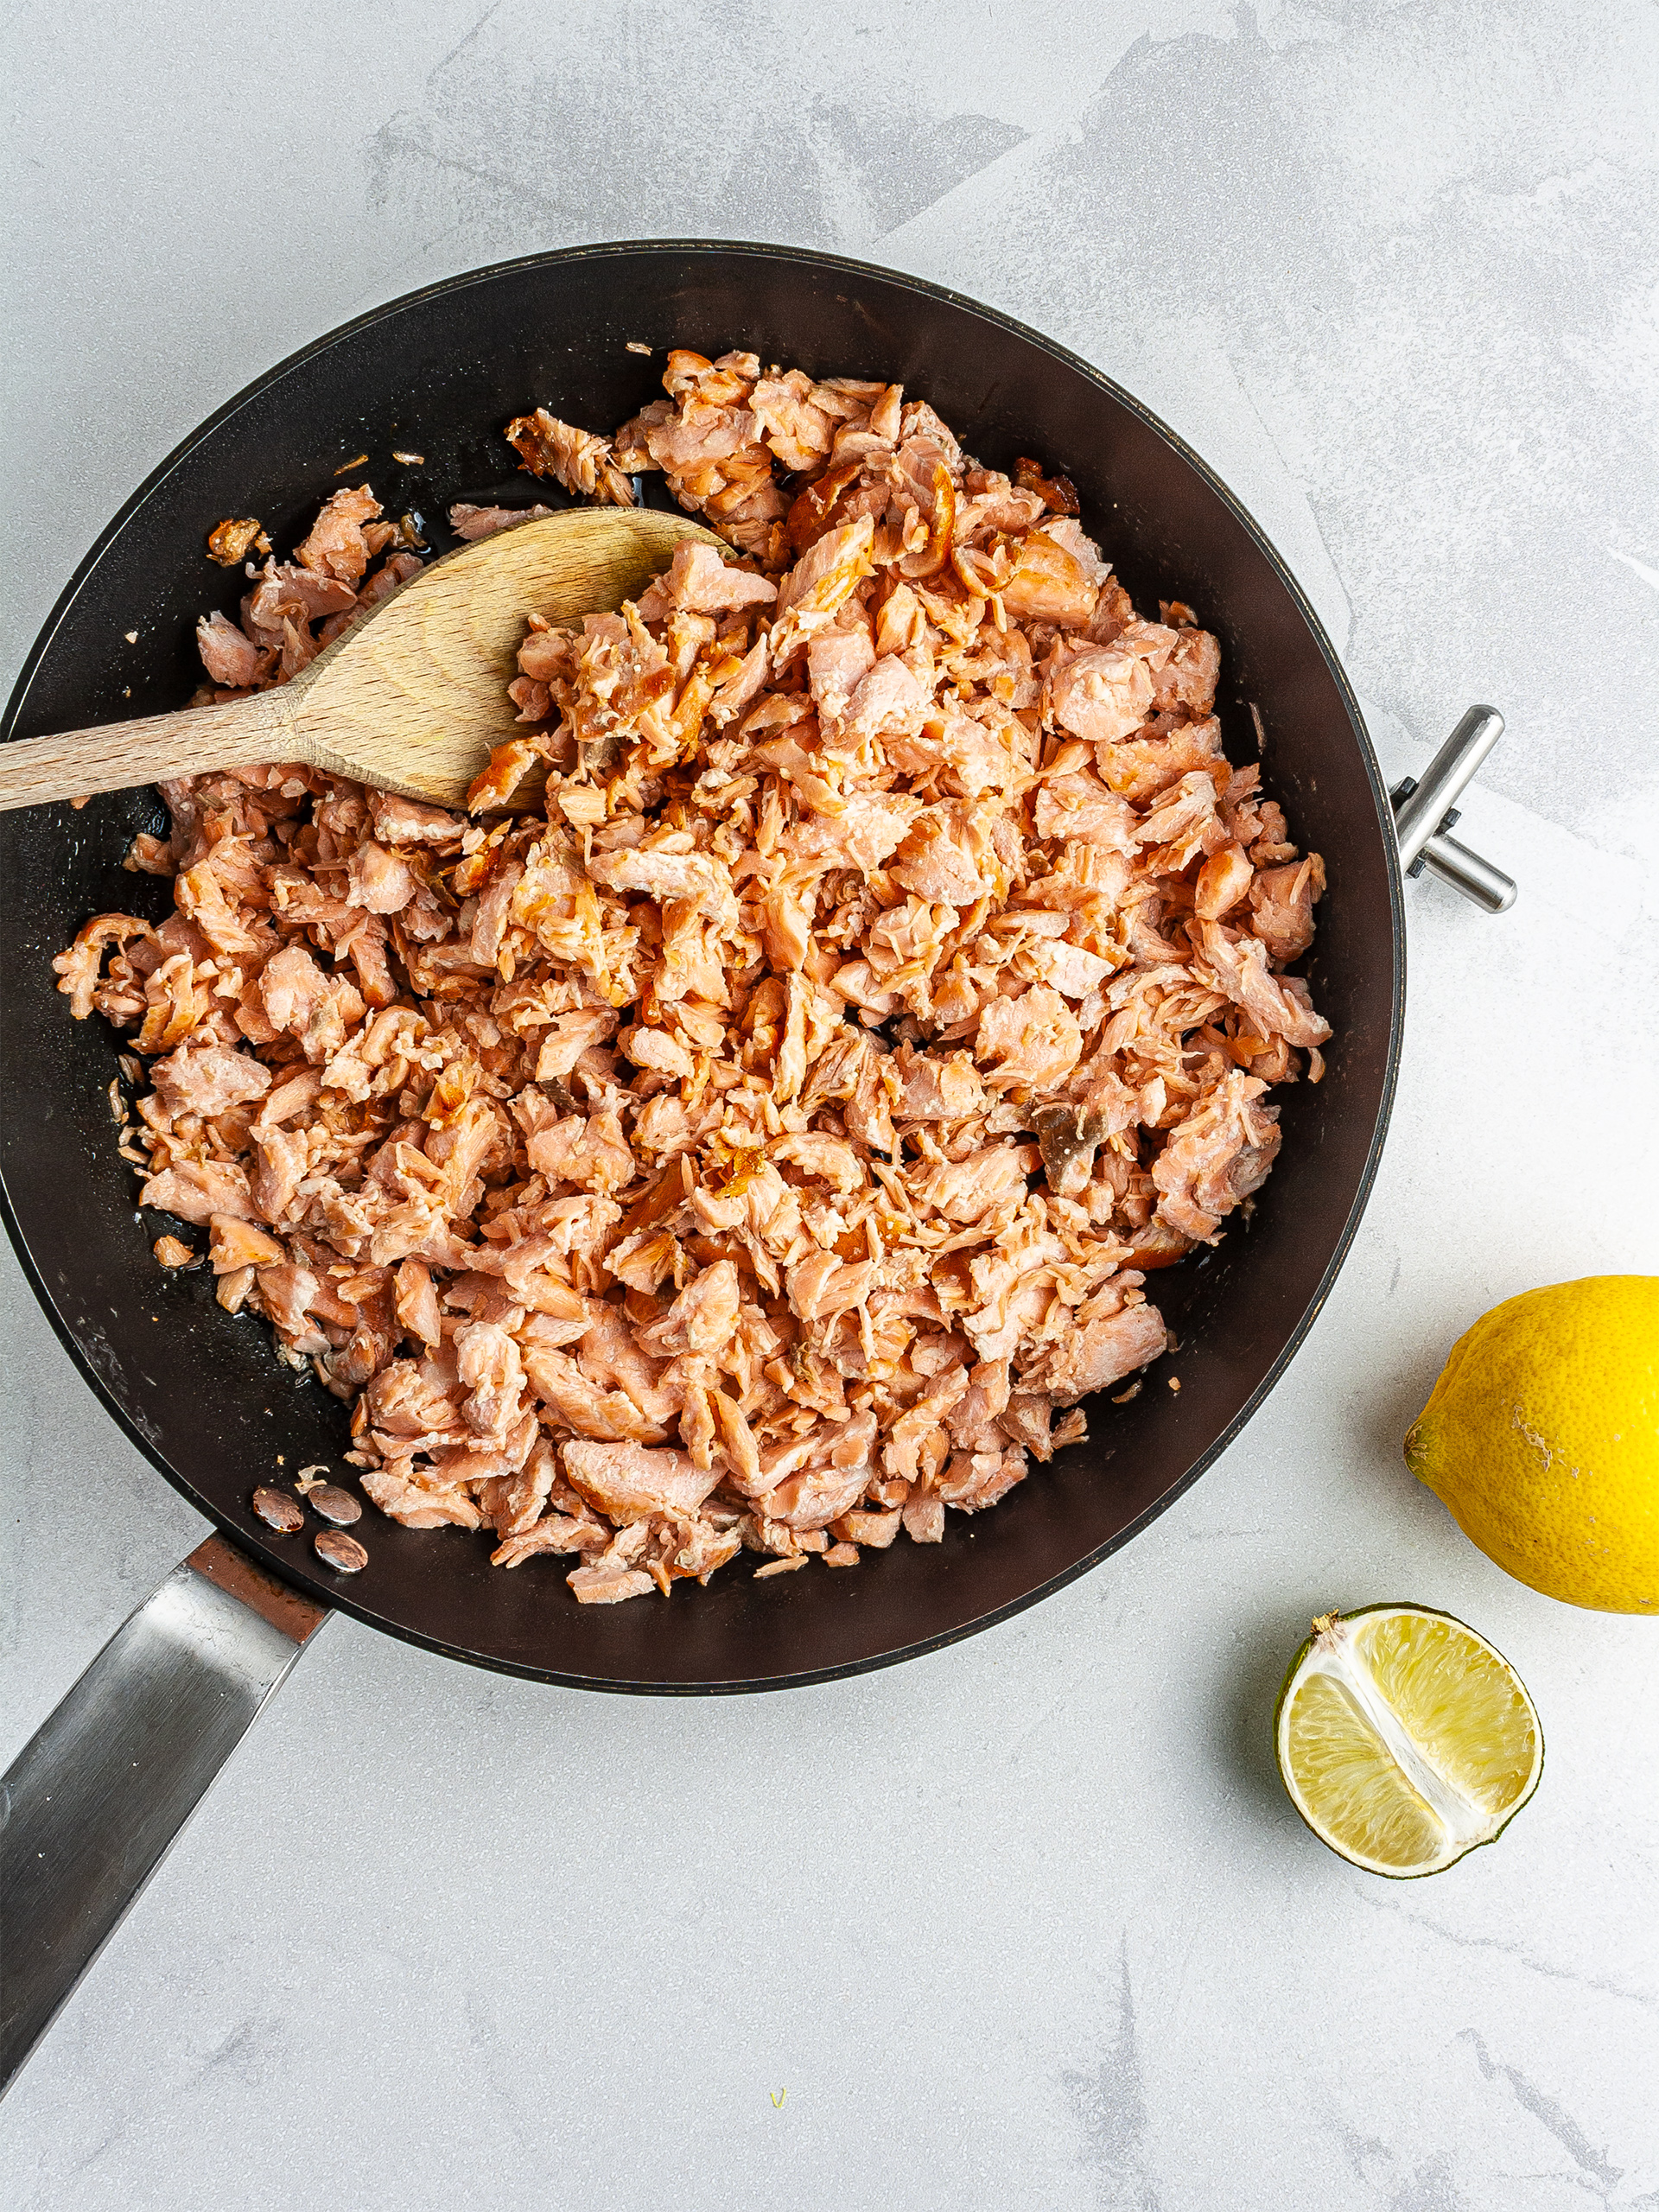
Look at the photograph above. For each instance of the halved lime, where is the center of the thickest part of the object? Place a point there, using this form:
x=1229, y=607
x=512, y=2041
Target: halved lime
x=1404, y=1738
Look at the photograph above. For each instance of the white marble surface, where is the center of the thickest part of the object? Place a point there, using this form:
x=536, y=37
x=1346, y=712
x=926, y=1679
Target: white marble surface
x=1029, y=1922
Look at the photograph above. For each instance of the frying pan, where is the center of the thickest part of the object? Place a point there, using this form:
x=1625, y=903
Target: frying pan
x=434, y=376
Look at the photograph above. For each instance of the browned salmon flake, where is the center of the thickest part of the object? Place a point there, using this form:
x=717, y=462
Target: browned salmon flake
x=230, y=542
x=470, y=523
x=763, y=1143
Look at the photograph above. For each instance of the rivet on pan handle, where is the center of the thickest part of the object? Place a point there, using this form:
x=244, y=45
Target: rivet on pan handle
x=1424, y=812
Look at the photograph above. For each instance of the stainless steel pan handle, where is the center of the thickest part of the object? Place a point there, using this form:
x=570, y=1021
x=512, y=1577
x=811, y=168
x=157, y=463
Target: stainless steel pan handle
x=1425, y=811
x=92, y=1803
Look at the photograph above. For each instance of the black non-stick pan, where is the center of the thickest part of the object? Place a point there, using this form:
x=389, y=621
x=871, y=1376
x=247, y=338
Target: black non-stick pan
x=436, y=375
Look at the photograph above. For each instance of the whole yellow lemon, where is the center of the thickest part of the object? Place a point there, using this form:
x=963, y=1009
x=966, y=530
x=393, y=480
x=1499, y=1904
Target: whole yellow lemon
x=1542, y=1439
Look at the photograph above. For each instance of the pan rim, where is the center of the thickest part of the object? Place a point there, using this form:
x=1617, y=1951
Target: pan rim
x=340, y=1600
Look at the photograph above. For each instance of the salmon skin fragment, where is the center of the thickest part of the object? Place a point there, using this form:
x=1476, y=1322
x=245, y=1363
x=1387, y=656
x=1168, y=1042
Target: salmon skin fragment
x=762, y=1141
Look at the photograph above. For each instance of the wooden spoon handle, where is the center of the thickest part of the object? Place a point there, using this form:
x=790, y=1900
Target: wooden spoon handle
x=36, y=770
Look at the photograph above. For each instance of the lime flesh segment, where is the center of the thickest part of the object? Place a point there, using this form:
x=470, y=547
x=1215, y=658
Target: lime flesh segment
x=1457, y=1700
x=1364, y=1804
x=1405, y=1740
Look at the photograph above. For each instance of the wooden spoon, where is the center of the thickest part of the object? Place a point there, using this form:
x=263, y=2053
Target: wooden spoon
x=411, y=698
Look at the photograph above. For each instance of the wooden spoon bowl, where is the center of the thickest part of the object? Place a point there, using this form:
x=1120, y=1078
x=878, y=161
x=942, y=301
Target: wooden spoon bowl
x=411, y=698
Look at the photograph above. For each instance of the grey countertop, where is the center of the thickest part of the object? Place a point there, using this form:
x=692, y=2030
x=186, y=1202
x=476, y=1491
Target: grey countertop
x=1028, y=1922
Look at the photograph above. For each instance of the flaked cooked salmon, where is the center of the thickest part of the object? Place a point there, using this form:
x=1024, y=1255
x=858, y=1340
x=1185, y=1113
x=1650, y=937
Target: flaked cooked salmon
x=762, y=1144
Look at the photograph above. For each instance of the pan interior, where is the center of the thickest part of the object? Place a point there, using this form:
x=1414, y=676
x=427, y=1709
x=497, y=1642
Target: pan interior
x=437, y=375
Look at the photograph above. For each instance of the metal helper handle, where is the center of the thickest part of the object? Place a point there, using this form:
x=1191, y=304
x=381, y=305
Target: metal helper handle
x=1453, y=862
x=93, y=1802
x=1424, y=811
